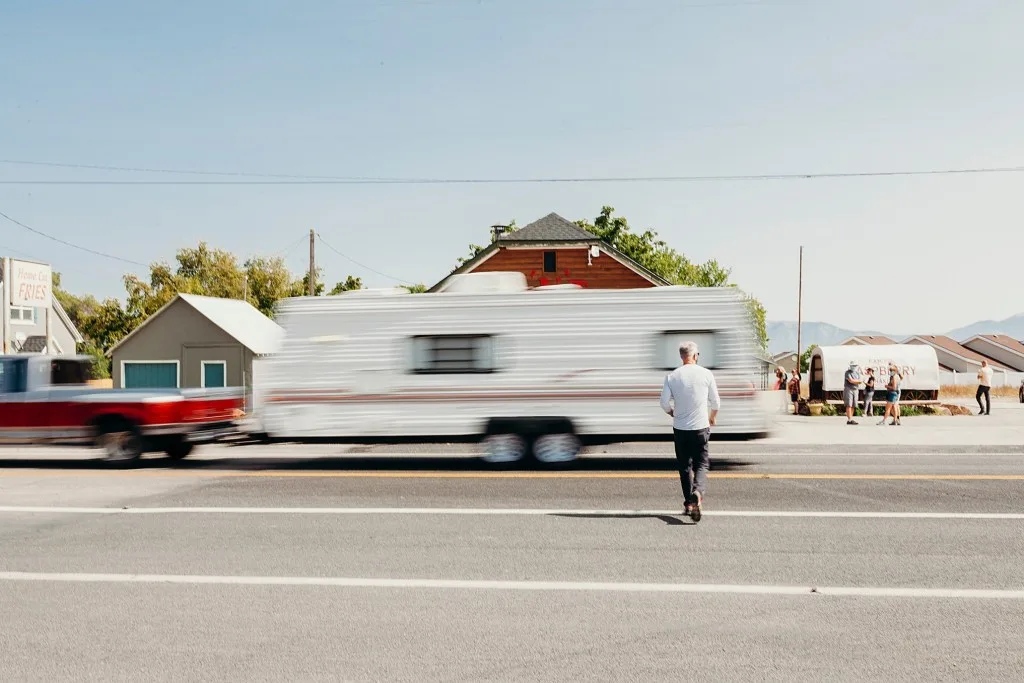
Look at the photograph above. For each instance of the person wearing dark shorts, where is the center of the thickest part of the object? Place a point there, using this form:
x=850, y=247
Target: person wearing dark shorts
x=690, y=397
x=794, y=392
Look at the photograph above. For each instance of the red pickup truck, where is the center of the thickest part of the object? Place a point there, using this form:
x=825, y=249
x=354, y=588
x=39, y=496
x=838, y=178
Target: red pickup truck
x=47, y=400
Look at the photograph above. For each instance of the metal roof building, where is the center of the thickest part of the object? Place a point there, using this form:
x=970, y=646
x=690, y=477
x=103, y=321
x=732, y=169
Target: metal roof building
x=195, y=341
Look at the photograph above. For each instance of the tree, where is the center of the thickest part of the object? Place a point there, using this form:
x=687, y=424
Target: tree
x=416, y=289
x=101, y=324
x=475, y=249
x=349, y=284
x=805, y=359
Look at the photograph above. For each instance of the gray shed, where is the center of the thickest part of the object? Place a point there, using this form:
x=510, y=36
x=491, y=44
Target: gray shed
x=195, y=341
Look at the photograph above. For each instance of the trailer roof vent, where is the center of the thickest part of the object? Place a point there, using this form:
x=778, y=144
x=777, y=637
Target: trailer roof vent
x=486, y=283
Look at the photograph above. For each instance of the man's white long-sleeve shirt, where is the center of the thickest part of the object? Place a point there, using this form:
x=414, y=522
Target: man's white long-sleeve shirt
x=691, y=393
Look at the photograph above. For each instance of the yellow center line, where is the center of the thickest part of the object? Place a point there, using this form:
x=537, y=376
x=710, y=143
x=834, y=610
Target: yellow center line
x=378, y=474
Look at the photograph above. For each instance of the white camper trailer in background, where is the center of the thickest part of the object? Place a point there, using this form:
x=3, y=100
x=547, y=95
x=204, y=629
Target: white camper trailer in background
x=527, y=372
x=917, y=362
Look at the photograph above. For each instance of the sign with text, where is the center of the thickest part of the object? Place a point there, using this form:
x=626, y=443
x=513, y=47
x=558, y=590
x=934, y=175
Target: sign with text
x=31, y=284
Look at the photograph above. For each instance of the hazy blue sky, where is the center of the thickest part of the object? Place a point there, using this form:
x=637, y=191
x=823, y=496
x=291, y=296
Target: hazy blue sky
x=533, y=88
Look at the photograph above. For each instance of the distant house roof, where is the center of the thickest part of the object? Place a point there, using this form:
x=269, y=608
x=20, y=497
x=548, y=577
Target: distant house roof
x=1002, y=340
x=955, y=348
x=239, y=320
x=783, y=354
x=34, y=344
x=869, y=339
x=551, y=229
x=66, y=321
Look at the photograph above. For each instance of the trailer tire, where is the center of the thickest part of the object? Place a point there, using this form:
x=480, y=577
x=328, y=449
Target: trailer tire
x=556, y=448
x=504, y=448
x=120, y=440
x=178, y=448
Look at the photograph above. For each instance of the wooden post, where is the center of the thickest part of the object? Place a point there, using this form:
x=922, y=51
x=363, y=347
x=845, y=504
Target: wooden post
x=799, y=312
x=312, y=263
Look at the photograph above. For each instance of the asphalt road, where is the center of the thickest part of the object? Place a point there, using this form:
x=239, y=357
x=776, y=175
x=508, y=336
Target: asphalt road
x=845, y=563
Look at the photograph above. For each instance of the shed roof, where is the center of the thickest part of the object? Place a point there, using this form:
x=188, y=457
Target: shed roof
x=237, y=318
x=871, y=339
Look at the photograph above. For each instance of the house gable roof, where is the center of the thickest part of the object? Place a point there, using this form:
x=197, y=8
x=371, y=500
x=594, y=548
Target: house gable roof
x=65, y=320
x=870, y=339
x=238, y=319
x=552, y=229
x=1006, y=341
x=950, y=345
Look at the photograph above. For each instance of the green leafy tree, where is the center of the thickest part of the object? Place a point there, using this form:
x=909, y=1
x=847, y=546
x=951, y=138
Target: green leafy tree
x=349, y=284
x=101, y=324
x=805, y=359
x=416, y=289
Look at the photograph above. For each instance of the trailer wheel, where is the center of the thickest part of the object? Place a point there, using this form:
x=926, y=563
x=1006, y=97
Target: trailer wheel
x=556, y=448
x=121, y=442
x=179, y=448
x=504, y=448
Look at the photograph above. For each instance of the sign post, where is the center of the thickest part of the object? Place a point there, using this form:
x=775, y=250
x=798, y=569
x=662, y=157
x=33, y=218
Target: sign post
x=5, y=303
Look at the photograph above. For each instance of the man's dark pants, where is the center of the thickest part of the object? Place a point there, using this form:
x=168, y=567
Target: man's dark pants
x=692, y=454
x=984, y=391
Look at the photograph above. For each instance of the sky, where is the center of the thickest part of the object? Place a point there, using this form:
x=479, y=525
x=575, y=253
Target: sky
x=532, y=89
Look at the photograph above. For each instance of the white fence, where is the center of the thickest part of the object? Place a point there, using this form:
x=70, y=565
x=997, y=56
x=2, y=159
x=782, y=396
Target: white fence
x=964, y=379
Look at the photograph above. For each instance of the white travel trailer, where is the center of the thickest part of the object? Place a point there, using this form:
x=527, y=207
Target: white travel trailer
x=917, y=362
x=528, y=372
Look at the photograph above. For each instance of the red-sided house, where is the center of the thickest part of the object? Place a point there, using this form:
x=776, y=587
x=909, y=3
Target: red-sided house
x=553, y=251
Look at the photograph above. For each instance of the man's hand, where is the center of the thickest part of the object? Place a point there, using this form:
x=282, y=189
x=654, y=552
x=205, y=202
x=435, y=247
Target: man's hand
x=671, y=412
x=712, y=417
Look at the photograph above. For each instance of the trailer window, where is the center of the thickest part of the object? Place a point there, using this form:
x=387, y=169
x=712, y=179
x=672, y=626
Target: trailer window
x=453, y=354
x=668, y=348
x=63, y=372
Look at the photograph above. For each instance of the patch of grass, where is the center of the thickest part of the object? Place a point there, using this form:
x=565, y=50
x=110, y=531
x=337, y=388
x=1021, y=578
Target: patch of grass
x=969, y=391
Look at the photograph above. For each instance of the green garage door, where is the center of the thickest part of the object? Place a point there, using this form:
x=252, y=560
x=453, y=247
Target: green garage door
x=150, y=375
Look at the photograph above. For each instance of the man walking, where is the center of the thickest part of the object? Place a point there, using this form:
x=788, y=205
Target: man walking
x=851, y=383
x=984, y=389
x=690, y=396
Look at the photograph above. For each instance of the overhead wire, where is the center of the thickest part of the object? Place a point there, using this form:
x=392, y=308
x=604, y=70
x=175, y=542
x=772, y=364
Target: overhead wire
x=544, y=180
x=361, y=265
x=71, y=244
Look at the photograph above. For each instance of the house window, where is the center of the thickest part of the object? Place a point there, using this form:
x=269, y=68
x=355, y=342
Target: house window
x=21, y=315
x=214, y=374
x=549, y=262
x=450, y=354
x=668, y=349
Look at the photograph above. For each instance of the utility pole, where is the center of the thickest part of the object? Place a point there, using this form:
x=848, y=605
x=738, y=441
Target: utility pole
x=800, y=310
x=5, y=303
x=312, y=263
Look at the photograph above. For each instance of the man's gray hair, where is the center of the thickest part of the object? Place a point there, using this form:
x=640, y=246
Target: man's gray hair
x=687, y=350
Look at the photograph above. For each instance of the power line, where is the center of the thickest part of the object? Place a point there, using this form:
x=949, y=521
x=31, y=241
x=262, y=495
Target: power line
x=286, y=252
x=70, y=244
x=180, y=171
x=542, y=180
x=361, y=265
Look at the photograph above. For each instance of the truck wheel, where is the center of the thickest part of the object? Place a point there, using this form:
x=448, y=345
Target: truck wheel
x=555, y=448
x=504, y=448
x=179, y=449
x=121, y=441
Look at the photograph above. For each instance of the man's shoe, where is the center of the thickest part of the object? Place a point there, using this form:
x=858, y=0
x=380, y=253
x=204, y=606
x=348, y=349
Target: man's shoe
x=695, y=506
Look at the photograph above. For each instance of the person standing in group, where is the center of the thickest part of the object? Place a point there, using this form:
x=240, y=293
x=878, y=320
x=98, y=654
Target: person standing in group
x=794, y=392
x=851, y=383
x=690, y=397
x=869, y=393
x=984, y=388
x=892, y=396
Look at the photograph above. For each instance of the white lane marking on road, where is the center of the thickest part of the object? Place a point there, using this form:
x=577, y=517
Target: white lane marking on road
x=449, y=584
x=522, y=512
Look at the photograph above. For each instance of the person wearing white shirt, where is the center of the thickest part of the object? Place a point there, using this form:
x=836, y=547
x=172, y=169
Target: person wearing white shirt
x=690, y=396
x=984, y=388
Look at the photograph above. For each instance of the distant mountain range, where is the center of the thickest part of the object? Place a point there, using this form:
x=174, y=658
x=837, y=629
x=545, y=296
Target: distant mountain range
x=782, y=334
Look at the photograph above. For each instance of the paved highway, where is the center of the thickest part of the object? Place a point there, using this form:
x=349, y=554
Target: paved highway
x=273, y=563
